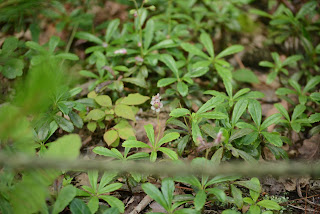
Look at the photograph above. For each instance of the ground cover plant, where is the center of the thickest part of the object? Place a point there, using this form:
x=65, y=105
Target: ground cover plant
x=159, y=106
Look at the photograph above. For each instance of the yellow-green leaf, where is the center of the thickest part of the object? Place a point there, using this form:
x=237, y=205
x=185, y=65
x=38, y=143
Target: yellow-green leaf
x=134, y=99
x=103, y=100
x=124, y=111
x=110, y=137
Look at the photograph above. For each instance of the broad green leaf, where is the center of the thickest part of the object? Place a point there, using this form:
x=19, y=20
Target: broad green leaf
x=222, y=178
x=106, y=178
x=103, y=100
x=271, y=77
x=88, y=74
x=197, y=72
x=53, y=43
x=306, y=9
x=213, y=115
x=248, y=200
x=135, y=144
x=313, y=82
x=89, y=37
x=230, y=50
x=77, y=206
x=125, y=111
x=245, y=75
x=110, y=137
x=96, y=114
x=314, y=118
x=168, y=137
x=171, y=154
x=221, y=196
x=250, y=138
x=296, y=126
x=252, y=184
x=148, y=35
x=284, y=91
x=273, y=119
x=136, y=81
x=134, y=99
x=210, y=104
x=241, y=92
x=67, y=56
x=282, y=110
x=237, y=196
x=167, y=189
x=272, y=205
x=315, y=96
x=113, y=201
x=200, y=199
x=65, y=196
x=224, y=73
x=207, y=43
x=179, y=112
x=238, y=110
x=266, y=64
x=112, y=27
x=9, y=45
x=239, y=133
x=150, y=133
x=139, y=155
x=196, y=132
x=193, y=50
x=192, y=180
x=254, y=194
x=36, y=46
x=170, y=62
x=110, y=188
x=105, y=152
x=217, y=156
x=291, y=59
x=254, y=109
x=63, y=123
x=163, y=44
x=166, y=81
x=66, y=147
x=273, y=138
x=295, y=85
x=155, y=194
x=182, y=89
x=254, y=209
x=93, y=204
x=298, y=110
x=245, y=156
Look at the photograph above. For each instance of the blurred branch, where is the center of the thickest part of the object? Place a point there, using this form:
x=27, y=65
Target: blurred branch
x=22, y=162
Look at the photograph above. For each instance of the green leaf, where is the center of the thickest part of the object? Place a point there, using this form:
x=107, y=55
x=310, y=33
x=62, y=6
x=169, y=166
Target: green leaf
x=113, y=201
x=295, y=85
x=238, y=110
x=250, y=138
x=314, y=118
x=169, y=61
x=230, y=212
x=76, y=119
x=36, y=46
x=207, y=43
x=163, y=44
x=92, y=126
x=168, y=137
x=237, y=196
x=89, y=37
x=182, y=88
x=213, y=115
x=105, y=152
x=239, y=133
x=93, y=204
x=245, y=156
x=311, y=84
x=96, y=114
x=112, y=27
x=271, y=77
x=134, y=99
x=197, y=72
x=155, y=194
x=93, y=179
x=148, y=35
x=224, y=73
x=217, y=156
x=88, y=74
x=252, y=184
x=179, y=112
x=135, y=144
x=9, y=45
x=254, y=109
x=136, y=81
x=106, y=178
x=65, y=196
x=192, y=180
x=125, y=111
x=221, y=196
x=273, y=119
x=245, y=75
x=255, y=194
x=63, y=123
x=110, y=137
x=210, y=104
x=273, y=138
x=150, y=133
x=67, y=56
x=167, y=188
x=200, y=199
x=272, y=205
x=254, y=209
x=66, y=147
x=166, y=81
x=241, y=92
x=298, y=110
x=291, y=59
x=306, y=9
x=222, y=178
x=110, y=188
x=193, y=50
x=77, y=206
x=282, y=110
x=103, y=100
x=171, y=154
x=284, y=91
x=266, y=64
x=248, y=200
x=230, y=50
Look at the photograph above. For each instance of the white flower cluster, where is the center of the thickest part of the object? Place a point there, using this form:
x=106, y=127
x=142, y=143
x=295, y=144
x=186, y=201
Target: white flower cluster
x=121, y=51
x=156, y=103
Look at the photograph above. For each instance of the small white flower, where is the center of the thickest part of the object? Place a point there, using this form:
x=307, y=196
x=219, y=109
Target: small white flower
x=105, y=45
x=156, y=103
x=121, y=51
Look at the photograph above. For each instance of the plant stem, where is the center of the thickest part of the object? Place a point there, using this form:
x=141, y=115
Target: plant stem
x=159, y=126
